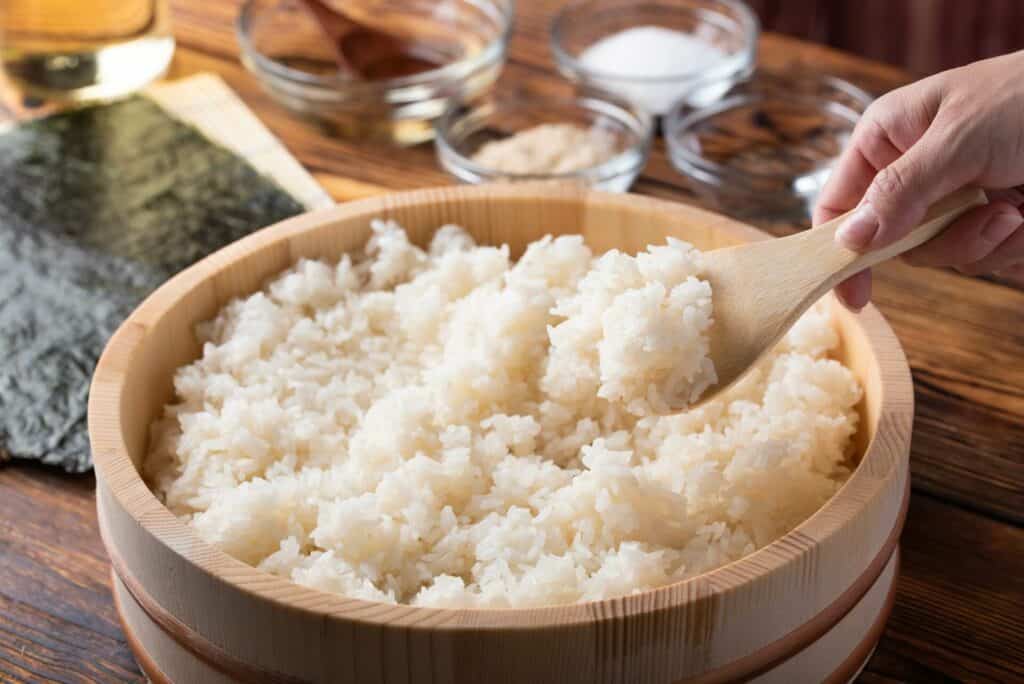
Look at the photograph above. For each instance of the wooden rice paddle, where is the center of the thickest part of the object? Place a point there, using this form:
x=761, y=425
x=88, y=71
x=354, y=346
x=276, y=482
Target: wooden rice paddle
x=363, y=51
x=760, y=289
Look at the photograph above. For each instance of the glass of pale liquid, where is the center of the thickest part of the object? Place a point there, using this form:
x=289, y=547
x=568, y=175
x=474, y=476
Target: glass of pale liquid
x=84, y=49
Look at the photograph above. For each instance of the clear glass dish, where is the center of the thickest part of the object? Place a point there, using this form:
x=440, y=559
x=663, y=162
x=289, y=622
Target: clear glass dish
x=728, y=25
x=766, y=148
x=283, y=46
x=463, y=130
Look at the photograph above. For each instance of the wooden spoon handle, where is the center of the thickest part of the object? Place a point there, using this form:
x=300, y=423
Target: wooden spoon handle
x=333, y=26
x=843, y=263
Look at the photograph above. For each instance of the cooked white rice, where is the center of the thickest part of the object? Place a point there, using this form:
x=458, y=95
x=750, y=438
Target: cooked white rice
x=447, y=428
x=551, y=148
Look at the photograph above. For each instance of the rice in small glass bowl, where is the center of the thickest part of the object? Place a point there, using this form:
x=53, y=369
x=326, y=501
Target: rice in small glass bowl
x=597, y=141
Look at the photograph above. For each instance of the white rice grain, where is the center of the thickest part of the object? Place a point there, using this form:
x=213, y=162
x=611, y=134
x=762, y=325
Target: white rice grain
x=448, y=428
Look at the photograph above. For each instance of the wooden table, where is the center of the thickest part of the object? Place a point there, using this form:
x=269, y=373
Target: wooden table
x=959, y=613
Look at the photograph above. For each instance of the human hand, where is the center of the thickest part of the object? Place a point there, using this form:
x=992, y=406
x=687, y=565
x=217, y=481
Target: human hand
x=918, y=143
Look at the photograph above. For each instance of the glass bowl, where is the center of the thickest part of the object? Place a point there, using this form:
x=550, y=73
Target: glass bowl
x=766, y=148
x=467, y=39
x=464, y=130
x=651, y=77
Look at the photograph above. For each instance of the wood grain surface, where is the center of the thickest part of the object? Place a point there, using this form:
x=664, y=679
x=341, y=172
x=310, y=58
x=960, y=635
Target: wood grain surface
x=960, y=597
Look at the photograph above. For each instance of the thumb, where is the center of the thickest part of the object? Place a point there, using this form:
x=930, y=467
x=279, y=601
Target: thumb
x=900, y=194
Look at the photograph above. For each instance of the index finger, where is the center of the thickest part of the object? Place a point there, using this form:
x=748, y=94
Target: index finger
x=846, y=184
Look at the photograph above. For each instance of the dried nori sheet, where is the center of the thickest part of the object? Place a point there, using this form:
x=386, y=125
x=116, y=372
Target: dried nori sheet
x=98, y=206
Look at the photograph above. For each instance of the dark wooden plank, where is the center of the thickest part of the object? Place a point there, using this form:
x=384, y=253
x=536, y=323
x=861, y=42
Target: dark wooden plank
x=964, y=341
x=957, y=615
x=889, y=665
x=58, y=621
x=959, y=600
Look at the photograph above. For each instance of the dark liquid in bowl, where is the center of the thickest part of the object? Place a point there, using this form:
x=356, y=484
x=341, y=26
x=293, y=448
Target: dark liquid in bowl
x=378, y=57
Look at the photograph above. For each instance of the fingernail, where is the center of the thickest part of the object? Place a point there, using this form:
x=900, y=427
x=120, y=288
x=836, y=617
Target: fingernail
x=857, y=231
x=1000, y=227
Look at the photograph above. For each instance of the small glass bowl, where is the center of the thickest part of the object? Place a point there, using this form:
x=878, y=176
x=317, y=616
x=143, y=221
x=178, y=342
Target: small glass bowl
x=463, y=130
x=729, y=25
x=284, y=48
x=766, y=148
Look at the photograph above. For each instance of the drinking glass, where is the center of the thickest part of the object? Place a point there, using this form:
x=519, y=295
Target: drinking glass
x=84, y=49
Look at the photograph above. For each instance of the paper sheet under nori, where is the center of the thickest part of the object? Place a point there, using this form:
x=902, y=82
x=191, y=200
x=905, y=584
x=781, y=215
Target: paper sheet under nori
x=98, y=206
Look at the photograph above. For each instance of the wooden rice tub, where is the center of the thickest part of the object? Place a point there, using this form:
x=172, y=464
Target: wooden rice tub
x=807, y=608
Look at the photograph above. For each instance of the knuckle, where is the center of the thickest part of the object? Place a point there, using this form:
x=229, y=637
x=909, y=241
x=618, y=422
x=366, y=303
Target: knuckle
x=886, y=104
x=872, y=125
x=873, y=132
x=894, y=105
x=889, y=182
x=874, y=112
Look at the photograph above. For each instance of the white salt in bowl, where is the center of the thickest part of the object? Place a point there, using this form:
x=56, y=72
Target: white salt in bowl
x=715, y=45
x=808, y=607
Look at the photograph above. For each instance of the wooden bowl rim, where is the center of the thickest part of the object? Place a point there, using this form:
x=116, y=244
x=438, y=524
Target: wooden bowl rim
x=116, y=469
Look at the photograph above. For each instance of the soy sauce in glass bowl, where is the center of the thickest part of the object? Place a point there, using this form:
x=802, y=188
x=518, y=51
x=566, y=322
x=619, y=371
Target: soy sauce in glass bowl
x=456, y=50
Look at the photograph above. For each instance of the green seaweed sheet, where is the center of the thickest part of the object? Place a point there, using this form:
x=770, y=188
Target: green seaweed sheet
x=98, y=206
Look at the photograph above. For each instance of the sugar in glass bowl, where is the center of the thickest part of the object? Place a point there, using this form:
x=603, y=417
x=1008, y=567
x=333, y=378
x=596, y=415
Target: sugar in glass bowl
x=627, y=130
x=766, y=147
x=653, y=53
x=457, y=46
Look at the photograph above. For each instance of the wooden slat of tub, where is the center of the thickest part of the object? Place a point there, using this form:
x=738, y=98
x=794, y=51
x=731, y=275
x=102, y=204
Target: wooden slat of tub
x=955, y=619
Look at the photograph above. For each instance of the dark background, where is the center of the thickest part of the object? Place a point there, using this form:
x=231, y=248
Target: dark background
x=923, y=36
